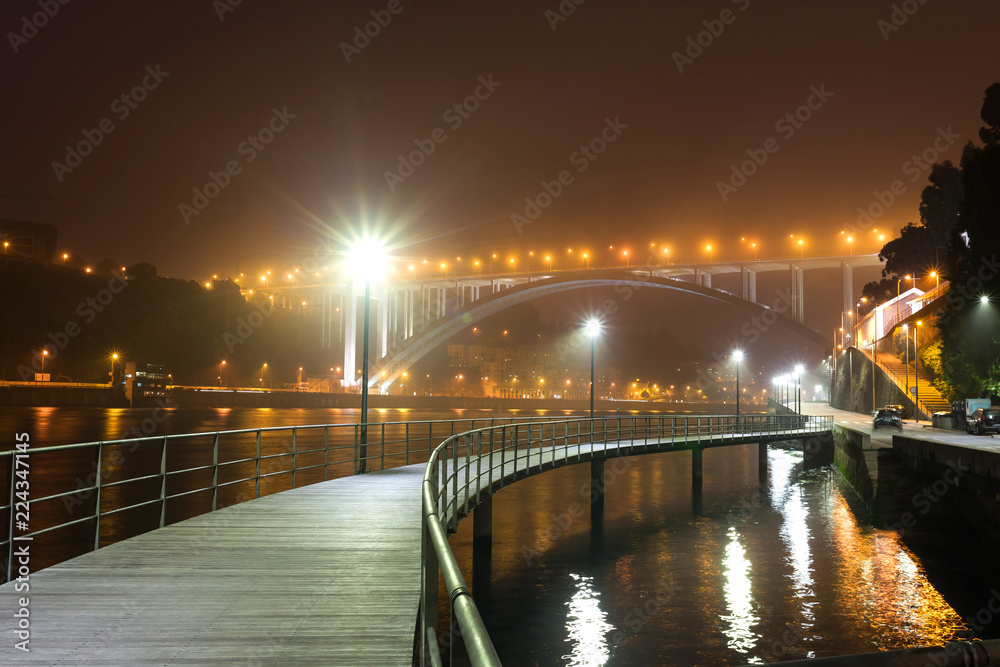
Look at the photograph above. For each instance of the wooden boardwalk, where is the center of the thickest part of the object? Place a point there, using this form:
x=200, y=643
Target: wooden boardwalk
x=328, y=574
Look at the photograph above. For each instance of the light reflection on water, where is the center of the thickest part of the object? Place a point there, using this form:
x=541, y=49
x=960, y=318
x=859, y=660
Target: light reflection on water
x=739, y=599
x=586, y=625
x=794, y=576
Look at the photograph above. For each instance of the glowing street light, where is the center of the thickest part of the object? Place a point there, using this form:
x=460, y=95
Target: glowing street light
x=586, y=258
x=593, y=329
x=221, y=366
x=708, y=248
x=366, y=261
x=114, y=358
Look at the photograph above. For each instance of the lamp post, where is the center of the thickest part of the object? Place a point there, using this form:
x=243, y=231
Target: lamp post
x=916, y=377
x=738, y=357
x=593, y=328
x=114, y=358
x=367, y=257
x=906, y=364
x=798, y=391
x=221, y=366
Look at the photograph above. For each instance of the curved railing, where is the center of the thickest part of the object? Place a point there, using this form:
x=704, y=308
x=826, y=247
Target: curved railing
x=79, y=497
x=469, y=466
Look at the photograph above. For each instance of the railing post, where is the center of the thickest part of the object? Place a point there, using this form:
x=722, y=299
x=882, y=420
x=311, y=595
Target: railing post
x=406, y=444
x=326, y=451
x=383, y=446
x=257, y=477
x=163, y=483
x=357, y=453
x=295, y=461
x=97, y=500
x=215, y=472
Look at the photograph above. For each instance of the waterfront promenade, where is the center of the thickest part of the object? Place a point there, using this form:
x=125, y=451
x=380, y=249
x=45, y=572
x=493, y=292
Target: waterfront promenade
x=325, y=574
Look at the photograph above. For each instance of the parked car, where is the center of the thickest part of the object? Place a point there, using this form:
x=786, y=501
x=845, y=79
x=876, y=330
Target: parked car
x=887, y=417
x=983, y=420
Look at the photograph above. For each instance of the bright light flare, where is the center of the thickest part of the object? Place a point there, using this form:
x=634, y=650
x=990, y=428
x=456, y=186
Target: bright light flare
x=366, y=259
x=592, y=328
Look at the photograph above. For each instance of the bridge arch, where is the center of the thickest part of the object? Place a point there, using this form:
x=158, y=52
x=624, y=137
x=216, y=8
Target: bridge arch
x=391, y=367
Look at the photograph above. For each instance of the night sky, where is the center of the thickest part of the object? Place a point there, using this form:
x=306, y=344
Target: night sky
x=548, y=84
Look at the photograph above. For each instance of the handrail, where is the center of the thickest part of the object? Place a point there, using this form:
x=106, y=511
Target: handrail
x=481, y=461
x=300, y=449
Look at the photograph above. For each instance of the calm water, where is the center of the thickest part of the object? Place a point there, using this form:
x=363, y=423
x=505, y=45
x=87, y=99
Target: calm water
x=753, y=575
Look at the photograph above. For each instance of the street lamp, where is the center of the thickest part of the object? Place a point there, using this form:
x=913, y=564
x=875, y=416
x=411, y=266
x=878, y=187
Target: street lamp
x=114, y=358
x=221, y=366
x=916, y=376
x=798, y=392
x=367, y=259
x=593, y=329
x=738, y=357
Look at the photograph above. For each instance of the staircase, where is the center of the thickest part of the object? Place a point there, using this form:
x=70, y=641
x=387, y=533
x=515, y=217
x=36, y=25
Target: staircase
x=931, y=400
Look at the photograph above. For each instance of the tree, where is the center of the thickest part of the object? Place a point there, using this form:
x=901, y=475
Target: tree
x=970, y=344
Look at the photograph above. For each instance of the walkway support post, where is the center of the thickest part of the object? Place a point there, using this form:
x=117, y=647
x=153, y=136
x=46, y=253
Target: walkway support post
x=696, y=468
x=482, y=551
x=762, y=462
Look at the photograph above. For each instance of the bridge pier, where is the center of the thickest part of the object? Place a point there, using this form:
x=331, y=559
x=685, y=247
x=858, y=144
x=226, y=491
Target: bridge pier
x=696, y=467
x=596, y=509
x=762, y=462
x=482, y=552
x=798, y=294
x=749, y=284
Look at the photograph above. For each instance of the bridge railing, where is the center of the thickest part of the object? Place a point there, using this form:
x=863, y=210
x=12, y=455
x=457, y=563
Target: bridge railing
x=71, y=499
x=469, y=466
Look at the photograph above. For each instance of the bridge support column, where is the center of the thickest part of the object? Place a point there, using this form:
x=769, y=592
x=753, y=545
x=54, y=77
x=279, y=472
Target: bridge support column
x=383, y=324
x=597, y=488
x=410, y=298
x=482, y=551
x=350, y=315
x=749, y=284
x=798, y=294
x=703, y=279
x=848, y=288
x=762, y=462
x=696, y=468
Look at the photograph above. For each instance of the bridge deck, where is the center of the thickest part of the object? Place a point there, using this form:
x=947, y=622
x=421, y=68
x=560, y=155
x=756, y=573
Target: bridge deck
x=325, y=574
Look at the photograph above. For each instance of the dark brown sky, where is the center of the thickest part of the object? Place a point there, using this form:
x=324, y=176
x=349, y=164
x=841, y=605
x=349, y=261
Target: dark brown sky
x=656, y=182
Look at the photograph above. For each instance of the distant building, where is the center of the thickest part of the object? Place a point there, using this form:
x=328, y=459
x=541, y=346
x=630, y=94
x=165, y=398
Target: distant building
x=34, y=241
x=144, y=383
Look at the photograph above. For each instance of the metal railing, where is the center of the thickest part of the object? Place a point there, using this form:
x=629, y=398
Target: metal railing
x=469, y=466
x=87, y=495
x=900, y=382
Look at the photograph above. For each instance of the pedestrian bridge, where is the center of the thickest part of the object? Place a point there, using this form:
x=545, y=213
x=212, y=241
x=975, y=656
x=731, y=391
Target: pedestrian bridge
x=325, y=573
